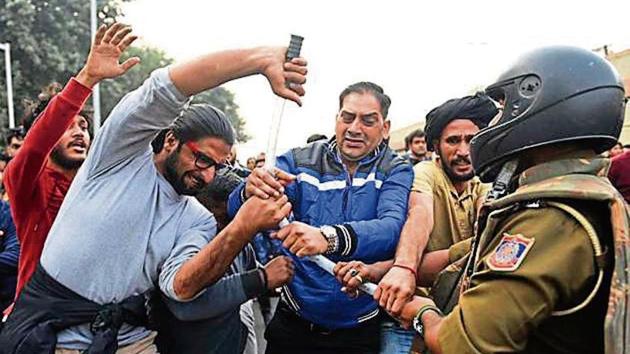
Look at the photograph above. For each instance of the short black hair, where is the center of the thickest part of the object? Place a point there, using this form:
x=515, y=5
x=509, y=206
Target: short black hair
x=17, y=132
x=220, y=188
x=418, y=133
x=371, y=88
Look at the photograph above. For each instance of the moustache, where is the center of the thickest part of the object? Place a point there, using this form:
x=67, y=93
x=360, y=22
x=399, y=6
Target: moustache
x=461, y=161
x=78, y=142
x=354, y=138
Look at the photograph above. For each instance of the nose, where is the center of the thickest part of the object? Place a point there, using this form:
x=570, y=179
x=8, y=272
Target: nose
x=355, y=127
x=77, y=132
x=463, y=149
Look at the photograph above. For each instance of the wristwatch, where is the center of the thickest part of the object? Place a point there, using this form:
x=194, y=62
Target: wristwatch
x=330, y=234
x=417, y=320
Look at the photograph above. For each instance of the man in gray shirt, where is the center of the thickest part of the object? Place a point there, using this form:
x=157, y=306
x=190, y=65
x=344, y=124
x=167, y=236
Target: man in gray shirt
x=128, y=225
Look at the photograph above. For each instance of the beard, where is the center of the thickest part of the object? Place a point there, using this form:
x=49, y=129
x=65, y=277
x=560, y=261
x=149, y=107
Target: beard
x=450, y=172
x=176, y=180
x=59, y=157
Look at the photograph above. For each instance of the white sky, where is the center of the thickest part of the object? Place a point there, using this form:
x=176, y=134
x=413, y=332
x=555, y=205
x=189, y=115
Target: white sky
x=421, y=52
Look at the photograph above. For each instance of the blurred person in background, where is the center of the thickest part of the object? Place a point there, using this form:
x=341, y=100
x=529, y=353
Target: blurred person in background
x=9, y=253
x=416, y=145
x=14, y=141
x=615, y=150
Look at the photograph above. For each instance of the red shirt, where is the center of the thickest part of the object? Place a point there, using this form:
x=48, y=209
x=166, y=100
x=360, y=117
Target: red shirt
x=619, y=174
x=35, y=190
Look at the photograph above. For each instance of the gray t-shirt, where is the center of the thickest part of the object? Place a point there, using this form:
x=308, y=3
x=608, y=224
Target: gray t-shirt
x=122, y=227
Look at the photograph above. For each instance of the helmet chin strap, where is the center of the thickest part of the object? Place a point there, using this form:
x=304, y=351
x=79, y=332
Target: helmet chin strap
x=501, y=184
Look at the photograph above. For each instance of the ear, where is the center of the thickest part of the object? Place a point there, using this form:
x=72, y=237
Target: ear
x=170, y=142
x=386, y=126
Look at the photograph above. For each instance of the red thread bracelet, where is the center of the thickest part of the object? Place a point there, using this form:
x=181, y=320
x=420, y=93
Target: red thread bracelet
x=413, y=271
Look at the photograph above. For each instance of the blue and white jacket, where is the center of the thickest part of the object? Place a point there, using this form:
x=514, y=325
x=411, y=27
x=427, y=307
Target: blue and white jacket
x=368, y=211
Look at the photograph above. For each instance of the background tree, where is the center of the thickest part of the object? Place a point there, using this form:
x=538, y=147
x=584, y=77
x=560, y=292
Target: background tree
x=49, y=42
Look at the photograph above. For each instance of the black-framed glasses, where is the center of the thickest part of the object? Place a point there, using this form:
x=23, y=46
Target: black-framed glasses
x=202, y=161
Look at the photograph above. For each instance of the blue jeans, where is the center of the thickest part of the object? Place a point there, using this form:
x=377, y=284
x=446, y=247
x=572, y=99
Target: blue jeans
x=395, y=339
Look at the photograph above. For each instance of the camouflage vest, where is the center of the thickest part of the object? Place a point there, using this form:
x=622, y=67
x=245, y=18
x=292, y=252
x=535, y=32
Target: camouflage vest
x=577, y=186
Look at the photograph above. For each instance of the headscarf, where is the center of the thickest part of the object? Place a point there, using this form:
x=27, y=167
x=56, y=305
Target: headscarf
x=479, y=109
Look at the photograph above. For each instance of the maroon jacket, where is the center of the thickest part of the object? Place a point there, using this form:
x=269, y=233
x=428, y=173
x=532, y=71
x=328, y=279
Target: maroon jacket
x=35, y=190
x=619, y=174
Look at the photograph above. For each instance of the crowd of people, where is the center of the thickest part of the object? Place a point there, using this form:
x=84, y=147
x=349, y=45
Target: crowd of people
x=497, y=231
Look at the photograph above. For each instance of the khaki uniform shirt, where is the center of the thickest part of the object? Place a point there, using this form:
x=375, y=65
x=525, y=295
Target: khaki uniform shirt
x=538, y=260
x=453, y=214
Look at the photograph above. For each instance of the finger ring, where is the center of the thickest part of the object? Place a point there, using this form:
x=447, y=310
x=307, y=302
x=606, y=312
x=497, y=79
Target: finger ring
x=354, y=272
x=356, y=292
x=359, y=278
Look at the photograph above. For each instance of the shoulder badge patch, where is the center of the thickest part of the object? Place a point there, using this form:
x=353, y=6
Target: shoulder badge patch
x=510, y=252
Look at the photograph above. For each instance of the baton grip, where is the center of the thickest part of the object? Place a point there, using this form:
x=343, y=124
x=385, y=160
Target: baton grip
x=295, y=46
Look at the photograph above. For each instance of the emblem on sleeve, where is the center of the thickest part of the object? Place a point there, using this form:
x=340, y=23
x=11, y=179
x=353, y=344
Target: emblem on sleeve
x=510, y=253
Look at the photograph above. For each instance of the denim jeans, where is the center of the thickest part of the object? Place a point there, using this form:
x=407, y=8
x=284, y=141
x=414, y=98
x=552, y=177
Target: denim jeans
x=395, y=339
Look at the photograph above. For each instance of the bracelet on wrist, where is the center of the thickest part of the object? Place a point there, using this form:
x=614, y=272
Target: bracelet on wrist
x=330, y=234
x=417, y=324
x=413, y=271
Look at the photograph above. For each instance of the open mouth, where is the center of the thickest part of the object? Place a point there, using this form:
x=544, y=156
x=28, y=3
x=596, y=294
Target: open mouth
x=354, y=143
x=78, y=145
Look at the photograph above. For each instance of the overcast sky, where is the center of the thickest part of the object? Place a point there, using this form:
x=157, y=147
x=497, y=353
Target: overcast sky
x=421, y=52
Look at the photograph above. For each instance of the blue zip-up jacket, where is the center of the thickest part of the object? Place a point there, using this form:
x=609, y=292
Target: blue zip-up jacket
x=368, y=211
x=9, y=253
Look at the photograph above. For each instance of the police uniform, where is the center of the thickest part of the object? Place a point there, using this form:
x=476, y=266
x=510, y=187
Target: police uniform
x=535, y=285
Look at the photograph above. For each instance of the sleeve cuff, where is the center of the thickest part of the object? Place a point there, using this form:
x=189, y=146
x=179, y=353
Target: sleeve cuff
x=347, y=239
x=253, y=285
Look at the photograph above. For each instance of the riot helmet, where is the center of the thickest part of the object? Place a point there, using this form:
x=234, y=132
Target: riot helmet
x=551, y=95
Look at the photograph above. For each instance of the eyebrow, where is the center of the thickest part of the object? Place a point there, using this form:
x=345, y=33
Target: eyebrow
x=370, y=115
x=367, y=115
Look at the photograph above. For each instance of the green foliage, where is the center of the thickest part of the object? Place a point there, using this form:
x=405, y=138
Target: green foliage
x=49, y=42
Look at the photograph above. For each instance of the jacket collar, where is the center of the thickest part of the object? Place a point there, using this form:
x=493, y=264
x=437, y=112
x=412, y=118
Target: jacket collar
x=597, y=166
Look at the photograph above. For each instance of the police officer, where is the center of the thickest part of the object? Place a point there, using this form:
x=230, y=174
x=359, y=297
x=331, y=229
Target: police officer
x=548, y=268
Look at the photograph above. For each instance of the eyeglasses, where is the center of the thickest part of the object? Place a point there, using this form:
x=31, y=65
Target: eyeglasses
x=202, y=161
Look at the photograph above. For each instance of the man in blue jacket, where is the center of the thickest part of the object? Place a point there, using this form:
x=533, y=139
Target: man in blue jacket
x=349, y=203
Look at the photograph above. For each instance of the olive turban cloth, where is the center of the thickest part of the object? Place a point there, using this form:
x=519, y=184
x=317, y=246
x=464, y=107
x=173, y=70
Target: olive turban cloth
x=479, y=109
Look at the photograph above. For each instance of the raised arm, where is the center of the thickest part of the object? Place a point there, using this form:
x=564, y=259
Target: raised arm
x=102, y=63
x=214, y=69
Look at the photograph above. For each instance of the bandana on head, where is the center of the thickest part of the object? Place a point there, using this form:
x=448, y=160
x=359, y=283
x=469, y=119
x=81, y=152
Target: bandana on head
x=479, y=109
